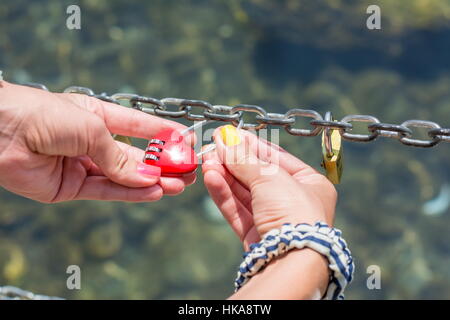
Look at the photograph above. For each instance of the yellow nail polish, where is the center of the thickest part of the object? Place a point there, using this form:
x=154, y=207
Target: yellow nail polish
x=230, y=135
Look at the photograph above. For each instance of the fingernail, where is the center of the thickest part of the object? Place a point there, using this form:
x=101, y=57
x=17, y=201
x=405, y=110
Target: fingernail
x=148, y=170
x=230, y=135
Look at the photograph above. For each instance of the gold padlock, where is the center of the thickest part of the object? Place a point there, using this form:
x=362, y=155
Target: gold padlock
x=332, y=153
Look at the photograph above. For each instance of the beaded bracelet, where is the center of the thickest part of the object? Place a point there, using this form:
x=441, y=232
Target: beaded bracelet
x=320, y=237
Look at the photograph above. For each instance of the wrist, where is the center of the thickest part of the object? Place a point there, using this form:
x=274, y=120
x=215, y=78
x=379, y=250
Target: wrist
x=304, y=267
x=267, y=222
x=320, y=237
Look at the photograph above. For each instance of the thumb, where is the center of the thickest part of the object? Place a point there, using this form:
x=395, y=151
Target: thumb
x=235, y=150
x=265, y=180
x=115, y=163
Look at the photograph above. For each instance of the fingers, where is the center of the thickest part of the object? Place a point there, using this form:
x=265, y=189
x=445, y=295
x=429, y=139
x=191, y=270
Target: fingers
x=241, y=160
x=274, y=154
x=211, y=162
x=126, y=121
x=232, y=199
x=175, y=185
x=300, y=171
x=126, y=167
x=113, y=161
x=130, y=122
x=269, y=152
x=237, y=215
x=170, y=185
x=101, y=188
x=276, y=196
x=67, y=130
x=76, y=185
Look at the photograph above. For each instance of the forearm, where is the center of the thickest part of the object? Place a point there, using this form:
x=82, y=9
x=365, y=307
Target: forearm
x=299, y=274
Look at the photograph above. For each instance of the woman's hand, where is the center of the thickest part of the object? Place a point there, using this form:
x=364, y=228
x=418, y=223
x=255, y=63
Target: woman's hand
x=258, y=186
x=58, y=147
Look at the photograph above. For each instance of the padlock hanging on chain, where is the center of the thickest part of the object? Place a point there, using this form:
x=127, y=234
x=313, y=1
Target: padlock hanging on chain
x=332, y=152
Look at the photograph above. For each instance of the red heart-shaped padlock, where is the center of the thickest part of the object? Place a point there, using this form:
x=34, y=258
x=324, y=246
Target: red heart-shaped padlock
x=169, y=151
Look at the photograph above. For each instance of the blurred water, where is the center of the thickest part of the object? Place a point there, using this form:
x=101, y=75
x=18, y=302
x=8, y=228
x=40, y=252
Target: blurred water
x=279, y=54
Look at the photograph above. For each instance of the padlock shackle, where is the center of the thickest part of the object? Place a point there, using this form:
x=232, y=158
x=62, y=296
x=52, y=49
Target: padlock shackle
x=195, y=126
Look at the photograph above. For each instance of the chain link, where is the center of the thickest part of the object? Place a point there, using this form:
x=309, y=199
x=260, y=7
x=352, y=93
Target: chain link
x=183, y=108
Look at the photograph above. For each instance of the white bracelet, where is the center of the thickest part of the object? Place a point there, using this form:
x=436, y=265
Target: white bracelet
x=320, y=237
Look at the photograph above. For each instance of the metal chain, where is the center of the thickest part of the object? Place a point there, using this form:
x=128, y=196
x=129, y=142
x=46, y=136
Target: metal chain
x=184, y=108
x=13, y=293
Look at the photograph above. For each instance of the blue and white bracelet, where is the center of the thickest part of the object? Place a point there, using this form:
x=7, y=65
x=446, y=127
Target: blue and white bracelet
x=320, y=237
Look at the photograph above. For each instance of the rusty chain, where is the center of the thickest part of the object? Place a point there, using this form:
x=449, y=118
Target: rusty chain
x=183, y=108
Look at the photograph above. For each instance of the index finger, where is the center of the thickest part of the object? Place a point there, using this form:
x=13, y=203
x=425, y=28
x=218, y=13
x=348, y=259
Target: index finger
x=270, y=152
x=122, y=120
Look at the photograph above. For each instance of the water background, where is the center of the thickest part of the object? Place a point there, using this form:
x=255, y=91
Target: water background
x=277, y=54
